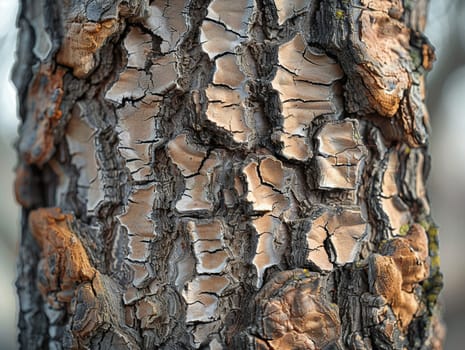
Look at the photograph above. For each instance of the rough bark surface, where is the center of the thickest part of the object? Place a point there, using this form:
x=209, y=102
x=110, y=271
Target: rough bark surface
x=225, y=174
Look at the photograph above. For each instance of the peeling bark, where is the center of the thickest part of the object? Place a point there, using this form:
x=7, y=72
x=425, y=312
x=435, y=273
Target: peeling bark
x=225, y=175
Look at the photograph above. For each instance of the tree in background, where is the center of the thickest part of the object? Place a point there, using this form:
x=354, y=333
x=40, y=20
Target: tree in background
x=225, y=175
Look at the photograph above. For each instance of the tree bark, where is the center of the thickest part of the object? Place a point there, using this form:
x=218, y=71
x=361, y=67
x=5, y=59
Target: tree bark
x=225, y=175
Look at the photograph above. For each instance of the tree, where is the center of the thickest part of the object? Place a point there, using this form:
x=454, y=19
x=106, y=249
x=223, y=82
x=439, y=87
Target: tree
x=225, y=174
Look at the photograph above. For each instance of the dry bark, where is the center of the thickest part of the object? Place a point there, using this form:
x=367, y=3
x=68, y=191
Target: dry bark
x=225, y=174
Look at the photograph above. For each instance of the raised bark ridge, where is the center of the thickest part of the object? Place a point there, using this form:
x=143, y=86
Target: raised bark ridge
x=241, y=175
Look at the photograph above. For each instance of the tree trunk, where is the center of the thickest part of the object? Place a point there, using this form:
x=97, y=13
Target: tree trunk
x=225, y=175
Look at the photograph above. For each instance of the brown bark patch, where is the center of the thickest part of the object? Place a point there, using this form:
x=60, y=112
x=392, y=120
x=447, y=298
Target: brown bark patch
x=44, y=97
x=403, y=264
x=26, y=186
x=294, y=313
x=81, y=43
x=64, y=262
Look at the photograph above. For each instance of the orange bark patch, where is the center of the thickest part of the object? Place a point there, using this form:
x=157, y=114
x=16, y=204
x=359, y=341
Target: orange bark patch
x=44, y=99
x=428, y=56
x=64, y=262
x=81, y=42
x=295, y=314
x=385, y=41
x=403, y=264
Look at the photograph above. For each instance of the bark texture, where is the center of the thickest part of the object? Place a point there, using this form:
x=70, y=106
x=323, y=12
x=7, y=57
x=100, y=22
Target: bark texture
x=225, y=174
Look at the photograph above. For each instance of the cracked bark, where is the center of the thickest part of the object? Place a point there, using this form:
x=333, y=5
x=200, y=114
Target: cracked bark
x=225, y=175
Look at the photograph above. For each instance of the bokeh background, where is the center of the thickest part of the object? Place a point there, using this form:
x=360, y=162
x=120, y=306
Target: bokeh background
x=446, y=102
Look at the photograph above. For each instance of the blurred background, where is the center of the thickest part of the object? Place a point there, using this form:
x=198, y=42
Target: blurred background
x=446, y=103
